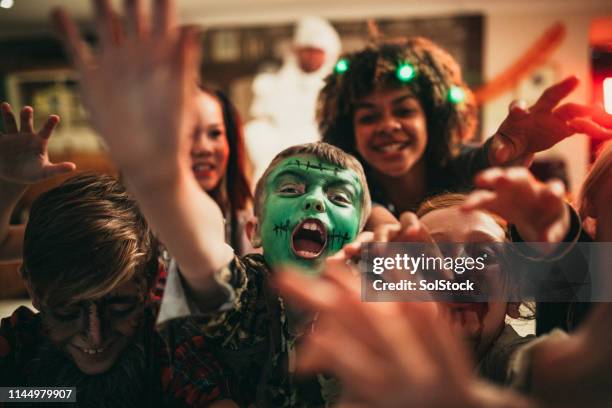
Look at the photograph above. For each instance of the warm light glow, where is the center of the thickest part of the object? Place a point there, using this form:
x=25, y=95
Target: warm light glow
x=607, y=95
x=7, y=4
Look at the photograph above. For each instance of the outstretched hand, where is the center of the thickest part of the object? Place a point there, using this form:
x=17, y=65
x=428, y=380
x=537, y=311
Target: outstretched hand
x=139, y=86
x=23, y=151
x=537, y=209
x=525, y=132
x=385, y=354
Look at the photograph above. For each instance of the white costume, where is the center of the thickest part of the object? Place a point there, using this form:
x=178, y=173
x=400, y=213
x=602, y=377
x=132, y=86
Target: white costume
x=284, y=102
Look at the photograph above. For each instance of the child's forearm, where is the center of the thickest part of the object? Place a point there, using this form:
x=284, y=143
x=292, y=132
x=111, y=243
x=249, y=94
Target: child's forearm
x=188, y=222
x=11, y=238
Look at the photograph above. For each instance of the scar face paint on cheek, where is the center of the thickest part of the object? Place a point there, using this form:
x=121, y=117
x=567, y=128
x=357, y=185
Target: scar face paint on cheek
x=311, y=210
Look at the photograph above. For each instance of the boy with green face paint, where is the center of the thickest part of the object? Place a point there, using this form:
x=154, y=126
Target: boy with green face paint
x=312, y=208
x=311, y=200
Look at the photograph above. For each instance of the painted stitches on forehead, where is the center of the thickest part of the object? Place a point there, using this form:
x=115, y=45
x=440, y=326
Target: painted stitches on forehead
x=309, y=168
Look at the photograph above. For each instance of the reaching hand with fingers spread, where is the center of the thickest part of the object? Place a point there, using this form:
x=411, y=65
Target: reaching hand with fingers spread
x=23, y=151
x=140, y=90
x=385, y=354
x=525, y=132
x=139, y=87
x=537, y=209
x=23, y=161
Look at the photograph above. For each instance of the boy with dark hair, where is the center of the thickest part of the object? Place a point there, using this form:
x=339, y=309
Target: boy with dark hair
x=90, y=264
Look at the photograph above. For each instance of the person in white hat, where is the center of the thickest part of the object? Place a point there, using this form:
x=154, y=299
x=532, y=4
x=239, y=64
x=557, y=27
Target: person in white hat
x=284, y=101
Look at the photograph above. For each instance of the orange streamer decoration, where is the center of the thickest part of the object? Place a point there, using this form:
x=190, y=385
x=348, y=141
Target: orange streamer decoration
x=535, y=56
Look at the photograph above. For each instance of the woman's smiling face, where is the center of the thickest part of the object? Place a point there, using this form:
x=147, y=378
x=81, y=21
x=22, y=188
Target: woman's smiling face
x=210, y=149
x=390, y=130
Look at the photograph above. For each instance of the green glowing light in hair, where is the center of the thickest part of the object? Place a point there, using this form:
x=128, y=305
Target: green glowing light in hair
x=456, y=94
x=342, y=66
x=405, y=72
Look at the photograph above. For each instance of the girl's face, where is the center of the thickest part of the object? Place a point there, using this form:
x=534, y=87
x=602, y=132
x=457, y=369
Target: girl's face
x=480, y=323
x=210, y=149
x=390, y=130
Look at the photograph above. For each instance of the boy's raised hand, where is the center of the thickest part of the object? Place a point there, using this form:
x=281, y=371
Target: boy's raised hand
x=138, y=87
x=537, y=209
x=525, y=132
x=23, y=151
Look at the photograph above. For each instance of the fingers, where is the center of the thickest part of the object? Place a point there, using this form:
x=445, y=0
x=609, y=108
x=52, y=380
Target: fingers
x=503, y=178
x=78, y=52
x=556, y=188
x=601, y=117
x=137, y=23
x=107, y=23
x=554, y=94
x=189, y=54
x=164, y=17
x=352, y=250
x=49, y=127
x=306, y=292
x=569, y=111
x=325, y=353
x=480, y=200
x=386, y=232
x=26, y=120
x=412, y=230
x=338, y=272
x=517, y=104
x=58, y=168
x=587, y=126
x=8, y=119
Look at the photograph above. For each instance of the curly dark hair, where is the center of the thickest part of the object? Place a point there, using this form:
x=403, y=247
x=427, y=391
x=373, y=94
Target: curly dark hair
x=436, y=73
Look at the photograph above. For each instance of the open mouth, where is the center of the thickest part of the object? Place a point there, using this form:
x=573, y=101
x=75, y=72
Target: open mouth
x=392, y=147
x=309, y=238
x=95, y=351
x=202, y=167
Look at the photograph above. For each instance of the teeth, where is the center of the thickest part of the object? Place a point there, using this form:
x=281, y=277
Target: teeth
x=93, y=351
x=202, y=167
x=310, y=226
x=393, y=147
x=307, y=254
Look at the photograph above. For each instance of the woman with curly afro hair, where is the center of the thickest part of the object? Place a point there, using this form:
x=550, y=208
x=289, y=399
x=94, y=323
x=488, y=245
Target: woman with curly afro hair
x=402, y=108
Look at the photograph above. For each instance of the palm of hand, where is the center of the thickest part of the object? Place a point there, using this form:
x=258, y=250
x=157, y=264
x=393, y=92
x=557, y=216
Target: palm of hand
x=23, y=157
x=139, y=87
x=145, y=85
x=532, y=132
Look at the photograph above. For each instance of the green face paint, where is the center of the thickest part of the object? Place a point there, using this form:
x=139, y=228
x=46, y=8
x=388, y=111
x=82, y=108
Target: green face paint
x=311, y=209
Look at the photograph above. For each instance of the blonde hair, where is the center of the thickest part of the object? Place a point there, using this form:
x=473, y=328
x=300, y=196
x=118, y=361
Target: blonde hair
x=448, y=200
x=324, y=152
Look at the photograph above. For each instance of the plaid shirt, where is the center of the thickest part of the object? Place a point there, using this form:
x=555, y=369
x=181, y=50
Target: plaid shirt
x=254, y=338
x=187, y=374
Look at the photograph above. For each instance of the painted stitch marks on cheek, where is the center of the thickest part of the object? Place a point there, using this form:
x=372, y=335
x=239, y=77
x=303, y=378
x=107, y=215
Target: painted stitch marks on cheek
x=311, y=210
x=338, y=239
x=281, y=229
